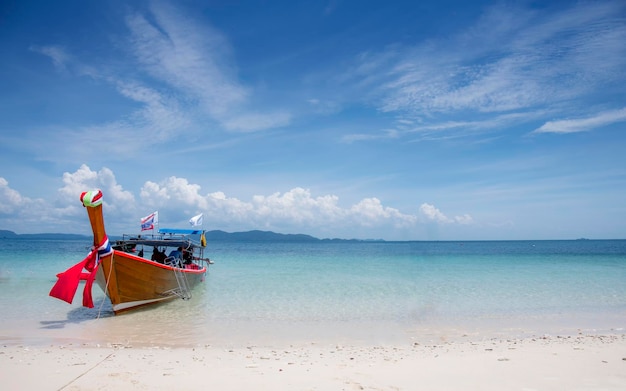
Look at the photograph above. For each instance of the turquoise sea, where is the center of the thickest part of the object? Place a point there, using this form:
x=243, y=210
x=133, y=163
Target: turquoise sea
x=260, y=293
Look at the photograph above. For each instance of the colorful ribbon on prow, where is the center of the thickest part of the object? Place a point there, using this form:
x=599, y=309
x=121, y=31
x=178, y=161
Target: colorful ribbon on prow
x=91, y=198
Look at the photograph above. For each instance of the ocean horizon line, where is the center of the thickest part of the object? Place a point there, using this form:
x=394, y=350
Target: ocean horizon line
x=271, y=236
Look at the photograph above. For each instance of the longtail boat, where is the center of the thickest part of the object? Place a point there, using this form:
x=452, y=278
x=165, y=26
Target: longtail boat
x=129, y=279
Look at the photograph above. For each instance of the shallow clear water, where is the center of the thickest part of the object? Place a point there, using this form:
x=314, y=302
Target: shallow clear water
x=365, y=290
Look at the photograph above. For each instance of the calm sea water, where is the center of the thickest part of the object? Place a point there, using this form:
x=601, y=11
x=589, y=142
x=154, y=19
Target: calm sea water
x=342, y=290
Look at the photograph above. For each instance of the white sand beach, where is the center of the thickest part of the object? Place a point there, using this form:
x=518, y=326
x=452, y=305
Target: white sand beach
x=581, y=362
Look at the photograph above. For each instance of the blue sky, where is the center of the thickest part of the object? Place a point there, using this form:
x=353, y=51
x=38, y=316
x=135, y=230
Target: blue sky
x=353, y=119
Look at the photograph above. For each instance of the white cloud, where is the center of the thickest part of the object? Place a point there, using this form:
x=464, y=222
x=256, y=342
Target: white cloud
x=187, y=56
x=181, y=79
x=464, y=219
x=250, y=122
x=117, y=200
x=324, y=107
x=173, y=190
x=161, y=117
x=296, y=206
x=176, y=199
x=296, y=209
x=57, y=54
x=583, y=124
x=197, y=61
x=370, y=212
x=431, y=213
x=512, y=61
x=384, y=134
x=229, y=207
x=24, y=213
x=10, y=200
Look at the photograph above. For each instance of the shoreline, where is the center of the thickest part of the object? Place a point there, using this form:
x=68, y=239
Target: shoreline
x=584, y=361
x=157, y=329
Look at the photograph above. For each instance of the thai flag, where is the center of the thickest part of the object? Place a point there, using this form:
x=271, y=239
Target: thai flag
x=149, y=221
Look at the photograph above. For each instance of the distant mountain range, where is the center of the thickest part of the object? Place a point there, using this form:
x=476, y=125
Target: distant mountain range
x=268, y=236
x=4, y=234
x=216, y=235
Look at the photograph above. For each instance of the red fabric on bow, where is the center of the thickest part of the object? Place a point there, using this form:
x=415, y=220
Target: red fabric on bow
x=67, y=283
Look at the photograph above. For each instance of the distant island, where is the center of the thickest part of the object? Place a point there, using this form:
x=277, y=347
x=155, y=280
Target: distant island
x=215, y=235
x=4, y=234
x=267, y=236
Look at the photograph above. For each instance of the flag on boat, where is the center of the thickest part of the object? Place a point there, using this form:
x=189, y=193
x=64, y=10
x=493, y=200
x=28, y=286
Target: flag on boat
x=196, y=220
x=149, y=221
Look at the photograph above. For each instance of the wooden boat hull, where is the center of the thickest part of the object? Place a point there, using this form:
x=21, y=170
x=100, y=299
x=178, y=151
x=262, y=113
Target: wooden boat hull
x=131, y=281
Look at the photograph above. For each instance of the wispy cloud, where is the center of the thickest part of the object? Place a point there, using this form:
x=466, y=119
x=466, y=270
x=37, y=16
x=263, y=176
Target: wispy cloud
x=384, y=134
x=250, y=122
x=196, y=62
x=57, y=54
x=513, y=60
x=447, y=129
x=189, y=57
x=583, y=124
x=180, y=77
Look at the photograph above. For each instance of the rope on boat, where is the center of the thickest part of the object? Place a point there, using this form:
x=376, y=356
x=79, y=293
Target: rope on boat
x=87, y=371
x=106, y=287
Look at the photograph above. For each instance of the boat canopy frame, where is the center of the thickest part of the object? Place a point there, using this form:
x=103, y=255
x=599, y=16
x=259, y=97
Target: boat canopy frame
x=166, y=237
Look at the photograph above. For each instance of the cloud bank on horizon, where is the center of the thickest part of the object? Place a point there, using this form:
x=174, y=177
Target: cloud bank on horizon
x=438, y=120
x=176, y=200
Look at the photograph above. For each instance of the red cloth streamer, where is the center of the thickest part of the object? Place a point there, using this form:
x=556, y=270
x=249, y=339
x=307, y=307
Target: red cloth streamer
x=87, y=299
x=67, y=283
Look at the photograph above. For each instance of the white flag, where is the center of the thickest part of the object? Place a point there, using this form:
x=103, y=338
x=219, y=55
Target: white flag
x=196, y=220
